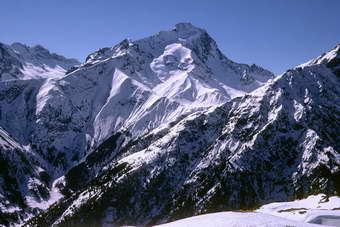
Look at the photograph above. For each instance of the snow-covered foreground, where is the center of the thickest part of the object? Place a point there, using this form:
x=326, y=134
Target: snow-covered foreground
x=236, y=219
x=316, y=209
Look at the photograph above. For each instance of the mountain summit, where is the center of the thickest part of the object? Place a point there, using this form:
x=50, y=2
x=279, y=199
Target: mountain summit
x=331, y=59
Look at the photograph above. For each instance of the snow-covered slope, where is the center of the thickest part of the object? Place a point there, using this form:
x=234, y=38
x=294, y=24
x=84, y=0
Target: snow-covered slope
x=18, y=61
x=158, y=78
x=318, y=209
x=21, y=175
x=277, y=143
x=117, y=95
x=236, y=219
x=331, y=59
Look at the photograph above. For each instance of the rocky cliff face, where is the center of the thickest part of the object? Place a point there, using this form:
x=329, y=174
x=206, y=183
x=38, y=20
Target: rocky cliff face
x=21, y=173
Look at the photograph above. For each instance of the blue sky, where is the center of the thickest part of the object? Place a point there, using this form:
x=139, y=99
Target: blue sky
x=276, y=34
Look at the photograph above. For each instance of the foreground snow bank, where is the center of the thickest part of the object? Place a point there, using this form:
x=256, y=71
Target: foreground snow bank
x=316, y=209
x=236, y=219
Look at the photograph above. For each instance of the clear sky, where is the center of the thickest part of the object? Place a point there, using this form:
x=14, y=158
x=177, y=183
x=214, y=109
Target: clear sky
x=276, y=34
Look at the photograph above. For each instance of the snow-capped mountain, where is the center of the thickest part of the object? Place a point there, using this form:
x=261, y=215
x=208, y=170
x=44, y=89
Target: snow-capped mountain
x=277, y=143
x=18, y=61
x=130, y=88
x=331, y=59
x=118, y=94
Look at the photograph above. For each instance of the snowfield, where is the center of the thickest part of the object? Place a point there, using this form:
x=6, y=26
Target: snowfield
x=318, y=209
x=315, y=210
x=236, y=219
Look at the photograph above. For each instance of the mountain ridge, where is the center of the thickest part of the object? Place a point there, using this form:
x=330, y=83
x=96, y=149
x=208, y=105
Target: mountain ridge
x=19, y=61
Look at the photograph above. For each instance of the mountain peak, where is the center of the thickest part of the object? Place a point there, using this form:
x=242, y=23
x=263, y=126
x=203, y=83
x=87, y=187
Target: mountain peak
x=187, y=31
x=40, y=48
x=184, y=33
x=179, y=50
x=185, y=27
x=331, y=55
x=18, y=44
x=331, y=59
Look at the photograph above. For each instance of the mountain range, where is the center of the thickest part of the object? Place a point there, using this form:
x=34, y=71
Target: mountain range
x=158, y=129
